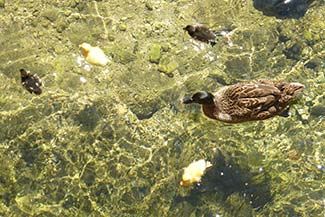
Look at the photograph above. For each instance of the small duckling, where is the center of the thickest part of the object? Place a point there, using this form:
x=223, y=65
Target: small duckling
x=31, y=82
x=194, y=172
x=94, y=55
x=201, y=33
x=247, y=101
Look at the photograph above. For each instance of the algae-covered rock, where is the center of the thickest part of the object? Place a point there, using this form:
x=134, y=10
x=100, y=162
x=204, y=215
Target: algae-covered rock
x=122, y=26
x=155, y=53
x=315, y=63
x=318, y=110
x=165, y=47
x=79, y=33
x=61, y=25
x=238, y=66
x=51, y=14
x=167, y=65
x=149, y=5
x=294, y=52
x=88, y=117
x=111, y=36
x=122, y=55
x=239, y=206
x=307, y=35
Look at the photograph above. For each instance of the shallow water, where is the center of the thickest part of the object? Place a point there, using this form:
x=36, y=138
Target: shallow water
x=112, y=141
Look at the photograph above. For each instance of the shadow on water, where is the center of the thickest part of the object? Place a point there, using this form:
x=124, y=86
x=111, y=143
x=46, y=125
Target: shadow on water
x=240, y=191
x=88, y=117
x=283, y=9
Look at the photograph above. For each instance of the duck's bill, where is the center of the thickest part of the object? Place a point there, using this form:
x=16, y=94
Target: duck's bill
x=187, y=100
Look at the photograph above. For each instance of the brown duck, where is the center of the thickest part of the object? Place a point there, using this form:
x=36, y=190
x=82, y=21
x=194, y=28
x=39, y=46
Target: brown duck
x=201, y=33
x=247, y=101
x=31, y=82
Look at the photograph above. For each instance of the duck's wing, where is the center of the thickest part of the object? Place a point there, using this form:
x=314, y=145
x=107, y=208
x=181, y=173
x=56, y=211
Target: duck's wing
x=33, y=84
x=251, y=98
x=202, y=33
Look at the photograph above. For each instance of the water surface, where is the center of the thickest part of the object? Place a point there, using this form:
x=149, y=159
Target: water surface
x=112, y=141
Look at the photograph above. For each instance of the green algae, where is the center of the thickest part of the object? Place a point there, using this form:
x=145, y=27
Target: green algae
x=122, y=26
x=149, y=5
x=167, y=65
x=51, y=14
x=122, y=55
x=155, y=53
x=116, y=145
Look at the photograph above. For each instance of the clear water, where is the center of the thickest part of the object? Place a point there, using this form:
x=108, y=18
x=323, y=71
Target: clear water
x=112, y=141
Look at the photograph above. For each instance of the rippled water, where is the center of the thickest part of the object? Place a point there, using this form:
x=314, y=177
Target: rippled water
x=112, y=141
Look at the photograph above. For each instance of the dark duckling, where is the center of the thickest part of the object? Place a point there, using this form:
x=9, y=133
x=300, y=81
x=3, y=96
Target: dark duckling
x=31, y=82
x=247, y=101
x=201, y=33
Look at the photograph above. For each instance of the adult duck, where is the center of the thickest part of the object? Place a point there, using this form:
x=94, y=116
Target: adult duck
x=247, y=101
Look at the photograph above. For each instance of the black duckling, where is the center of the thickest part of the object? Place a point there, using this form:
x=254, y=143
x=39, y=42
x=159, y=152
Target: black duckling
x=247, y=101
x=201, y=33
x=31, y=82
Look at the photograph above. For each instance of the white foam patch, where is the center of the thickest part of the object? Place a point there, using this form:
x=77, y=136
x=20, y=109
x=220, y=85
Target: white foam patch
x=81, y=62
x=83, y=80
x=87, y=67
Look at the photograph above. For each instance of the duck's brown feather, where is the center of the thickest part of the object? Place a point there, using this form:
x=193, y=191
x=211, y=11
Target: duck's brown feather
x=204, y=34
x=252, y=101
x=200, y=32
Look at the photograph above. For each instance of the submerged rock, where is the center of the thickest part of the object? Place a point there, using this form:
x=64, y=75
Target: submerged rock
x=167, y=66
x=283, y=9
x=318, y=111
x=155, y=53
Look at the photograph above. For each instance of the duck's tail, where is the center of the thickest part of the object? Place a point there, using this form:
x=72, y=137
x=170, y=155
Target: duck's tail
x=289, y=91
x=286, y=88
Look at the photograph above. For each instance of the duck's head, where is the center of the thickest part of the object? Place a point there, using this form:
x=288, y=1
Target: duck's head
x=190, y=29
x=23, y=74
x=85, y=48
x=201, y=97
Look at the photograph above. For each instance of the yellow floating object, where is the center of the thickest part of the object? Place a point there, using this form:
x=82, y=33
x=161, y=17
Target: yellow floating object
x=194, y=172
x=94, y=55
